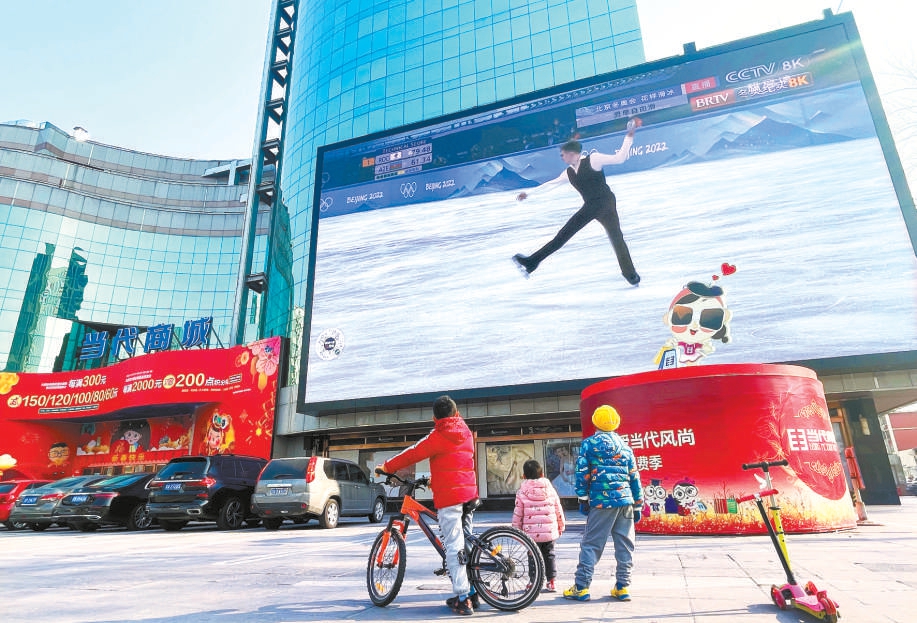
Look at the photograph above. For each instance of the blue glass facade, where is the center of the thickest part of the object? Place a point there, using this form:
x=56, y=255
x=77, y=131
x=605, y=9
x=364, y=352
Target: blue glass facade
x=363, y=66
x=94, y=237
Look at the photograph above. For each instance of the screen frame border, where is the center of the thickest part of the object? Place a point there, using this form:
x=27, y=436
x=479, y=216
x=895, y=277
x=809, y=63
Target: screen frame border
x=848, y=364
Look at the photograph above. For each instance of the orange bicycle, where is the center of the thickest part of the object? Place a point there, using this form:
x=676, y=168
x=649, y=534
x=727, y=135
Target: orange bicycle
x=505, y=566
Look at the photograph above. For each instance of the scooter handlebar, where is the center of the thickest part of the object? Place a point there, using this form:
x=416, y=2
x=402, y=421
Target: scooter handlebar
x=752, y=496
x=765, y=465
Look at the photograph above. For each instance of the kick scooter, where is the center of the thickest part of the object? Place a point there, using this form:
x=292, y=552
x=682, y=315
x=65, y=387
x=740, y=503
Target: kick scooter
x=790, y=595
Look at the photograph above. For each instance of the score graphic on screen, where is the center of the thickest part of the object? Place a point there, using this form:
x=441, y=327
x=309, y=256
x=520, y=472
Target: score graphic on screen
x=401, y=162
x=769, y=151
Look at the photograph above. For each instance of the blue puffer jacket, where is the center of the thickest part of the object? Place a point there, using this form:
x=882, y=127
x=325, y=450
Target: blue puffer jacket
x=606, y=472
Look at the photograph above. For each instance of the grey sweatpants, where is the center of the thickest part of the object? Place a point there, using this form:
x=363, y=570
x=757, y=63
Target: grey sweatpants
x=617, y=521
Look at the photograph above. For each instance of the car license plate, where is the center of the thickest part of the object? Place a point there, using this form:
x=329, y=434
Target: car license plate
x=29, y=499
x=172, y=486
x=78, y=499
x=279, y=491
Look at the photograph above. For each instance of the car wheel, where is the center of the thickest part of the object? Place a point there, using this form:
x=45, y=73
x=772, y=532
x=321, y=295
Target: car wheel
x=231, y=515
x=378, y=511
x=330, y=515
x=39, y=527
x=272, y=523
x=172, y=526
x=16, y=525
x=139, y=518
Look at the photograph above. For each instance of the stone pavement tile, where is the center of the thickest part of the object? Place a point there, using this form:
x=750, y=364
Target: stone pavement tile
x=867, y=601
x=712, y=582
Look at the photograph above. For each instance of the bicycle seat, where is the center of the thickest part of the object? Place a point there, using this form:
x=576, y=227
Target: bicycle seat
x=471, y=505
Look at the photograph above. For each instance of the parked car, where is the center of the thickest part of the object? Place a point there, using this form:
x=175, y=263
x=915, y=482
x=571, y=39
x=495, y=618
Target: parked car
x=10, y=491
x=205, y=488
x=120, y=501
x=36, y=507
x=319, y=487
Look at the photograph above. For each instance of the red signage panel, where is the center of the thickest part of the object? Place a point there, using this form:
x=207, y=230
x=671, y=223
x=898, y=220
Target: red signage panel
x=691, y=429
x=144, y=410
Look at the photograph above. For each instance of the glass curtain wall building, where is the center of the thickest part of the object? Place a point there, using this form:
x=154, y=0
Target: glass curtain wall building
x=95, y=237
x=363, y=66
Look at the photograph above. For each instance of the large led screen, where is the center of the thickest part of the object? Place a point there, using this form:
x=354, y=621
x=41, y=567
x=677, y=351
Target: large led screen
x=763, y=155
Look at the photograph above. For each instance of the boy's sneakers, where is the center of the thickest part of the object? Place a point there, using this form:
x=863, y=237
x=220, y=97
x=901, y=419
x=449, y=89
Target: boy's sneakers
x=549, y=586
x=620, y=593
x=460, y=606
x=576, y=593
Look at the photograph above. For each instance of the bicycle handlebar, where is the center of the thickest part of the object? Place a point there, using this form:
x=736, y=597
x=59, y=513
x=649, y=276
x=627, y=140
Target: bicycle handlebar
x=765, y=464
x=423, y=481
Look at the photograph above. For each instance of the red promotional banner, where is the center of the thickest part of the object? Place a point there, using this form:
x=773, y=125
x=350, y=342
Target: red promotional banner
x=142, y=411
x=691, y=429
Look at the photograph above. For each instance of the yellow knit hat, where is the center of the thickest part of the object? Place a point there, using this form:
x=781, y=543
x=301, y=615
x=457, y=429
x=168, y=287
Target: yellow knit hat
x=606, y=418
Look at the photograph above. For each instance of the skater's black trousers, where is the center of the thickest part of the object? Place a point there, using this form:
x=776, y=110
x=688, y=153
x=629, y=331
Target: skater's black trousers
x=602, y=210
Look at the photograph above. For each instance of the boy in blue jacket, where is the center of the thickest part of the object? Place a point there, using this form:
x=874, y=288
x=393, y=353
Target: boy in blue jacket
x=610, y=494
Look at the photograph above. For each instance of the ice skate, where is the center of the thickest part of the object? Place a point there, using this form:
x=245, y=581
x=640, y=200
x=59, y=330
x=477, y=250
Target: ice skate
x=521, y=263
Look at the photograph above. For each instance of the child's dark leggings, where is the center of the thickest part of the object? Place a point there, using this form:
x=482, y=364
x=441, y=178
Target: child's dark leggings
x=550, y=564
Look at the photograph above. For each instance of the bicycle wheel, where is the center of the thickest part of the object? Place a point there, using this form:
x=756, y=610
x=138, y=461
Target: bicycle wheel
x=509, y=574
x=385, y=568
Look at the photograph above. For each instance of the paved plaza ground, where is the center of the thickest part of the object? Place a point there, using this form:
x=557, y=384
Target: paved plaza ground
x=304, y=573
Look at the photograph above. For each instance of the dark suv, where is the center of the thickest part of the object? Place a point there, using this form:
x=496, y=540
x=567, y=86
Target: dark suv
x=205, y=488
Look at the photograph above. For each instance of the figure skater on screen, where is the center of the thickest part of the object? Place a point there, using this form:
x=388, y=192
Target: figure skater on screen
x=696, y=318
x=584, y=173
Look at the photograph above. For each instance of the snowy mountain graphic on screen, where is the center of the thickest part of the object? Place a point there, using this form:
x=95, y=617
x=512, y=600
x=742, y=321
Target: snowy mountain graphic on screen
x=493, y=176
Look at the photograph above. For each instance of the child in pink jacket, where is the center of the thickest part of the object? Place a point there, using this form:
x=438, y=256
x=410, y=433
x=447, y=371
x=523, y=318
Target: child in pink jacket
x=540, y=515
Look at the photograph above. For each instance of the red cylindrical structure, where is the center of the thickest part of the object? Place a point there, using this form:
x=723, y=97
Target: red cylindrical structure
x=691, y=429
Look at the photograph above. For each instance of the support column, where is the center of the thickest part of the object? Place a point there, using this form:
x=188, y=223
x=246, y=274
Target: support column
x=871, y=453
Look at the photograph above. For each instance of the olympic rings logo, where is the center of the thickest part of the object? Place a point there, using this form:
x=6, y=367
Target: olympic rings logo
x=408, y=189
x=325, y=203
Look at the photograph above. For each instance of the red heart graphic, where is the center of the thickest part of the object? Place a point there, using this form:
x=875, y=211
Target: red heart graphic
x=727, y=269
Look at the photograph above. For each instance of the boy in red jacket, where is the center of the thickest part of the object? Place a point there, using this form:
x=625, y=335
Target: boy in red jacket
x=450, y=448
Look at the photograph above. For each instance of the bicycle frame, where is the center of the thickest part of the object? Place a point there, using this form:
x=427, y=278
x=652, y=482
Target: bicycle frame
x=412, y=510
x=504, y=565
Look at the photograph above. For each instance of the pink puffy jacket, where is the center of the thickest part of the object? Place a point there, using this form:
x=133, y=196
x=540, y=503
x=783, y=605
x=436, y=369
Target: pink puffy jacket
x=538, y=511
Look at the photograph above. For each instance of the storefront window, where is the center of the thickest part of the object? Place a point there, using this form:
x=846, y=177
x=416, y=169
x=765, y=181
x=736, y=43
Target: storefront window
x=504, y=466
x=560, y=464
x=368, y=459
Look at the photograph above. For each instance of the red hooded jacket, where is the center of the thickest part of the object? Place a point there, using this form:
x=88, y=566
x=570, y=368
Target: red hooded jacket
x=450, y=448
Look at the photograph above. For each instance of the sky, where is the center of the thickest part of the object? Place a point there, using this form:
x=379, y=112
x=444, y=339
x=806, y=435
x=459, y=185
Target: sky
x=182, y=77
x=174, y=77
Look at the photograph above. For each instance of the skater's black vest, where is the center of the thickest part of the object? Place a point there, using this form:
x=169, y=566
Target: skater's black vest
x=591, y=184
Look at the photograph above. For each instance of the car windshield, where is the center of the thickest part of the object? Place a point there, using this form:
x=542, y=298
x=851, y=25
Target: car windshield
x=182, y=470
x=66, y=482
x=117, y=481
x=6, y=487
x=292, y=468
